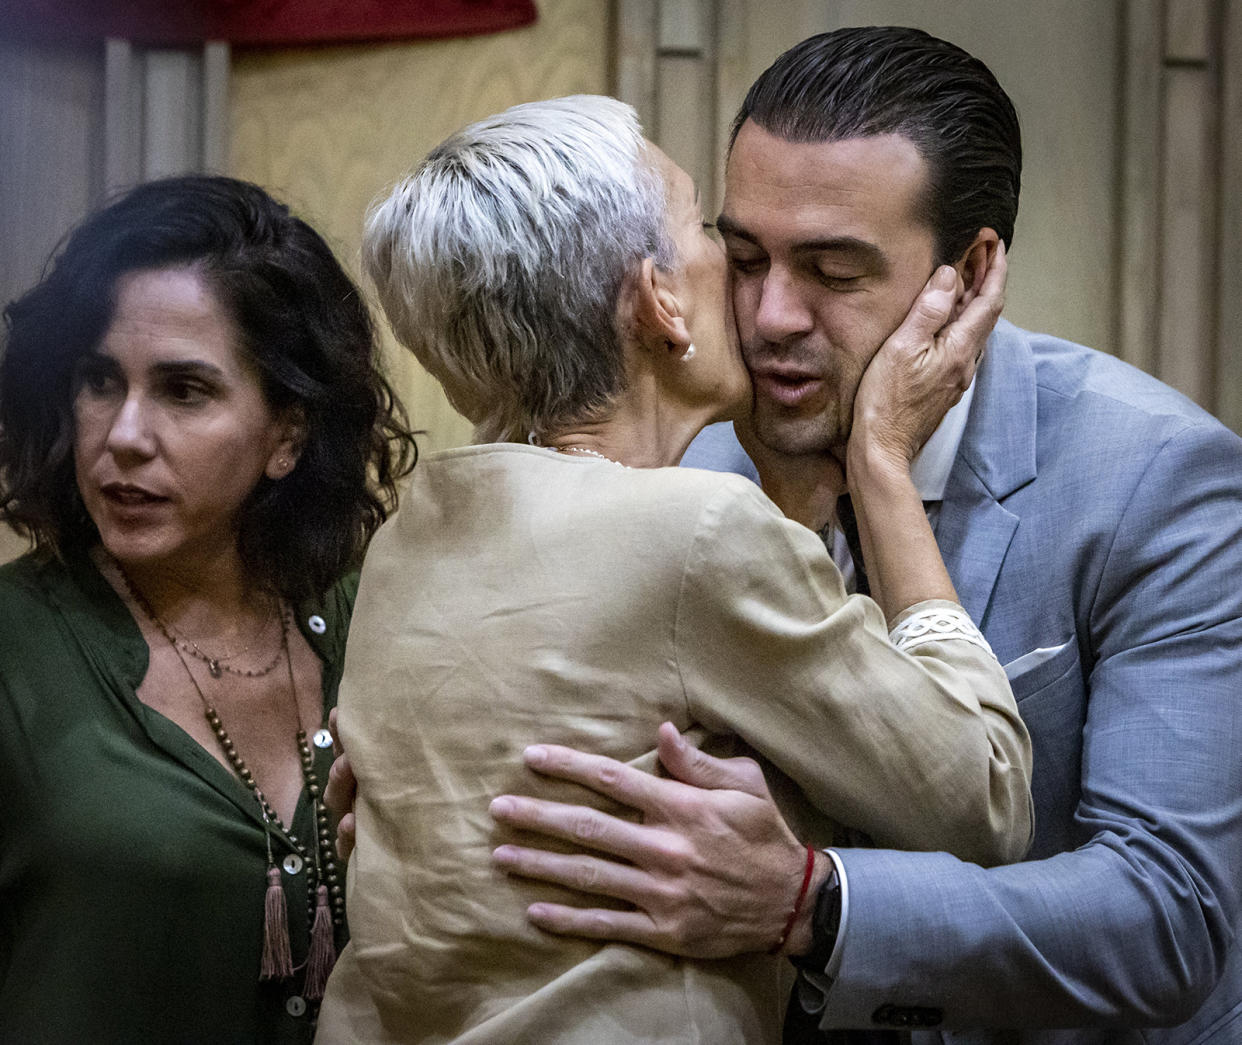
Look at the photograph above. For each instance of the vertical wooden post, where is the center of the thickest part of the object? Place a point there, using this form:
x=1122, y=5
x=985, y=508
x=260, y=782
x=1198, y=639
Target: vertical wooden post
x=1185, y=355
x=215, y=138
x=1142, y=135
x=1180, y=260
x=666, y=69
x=635, y=64
x=1229, y=236
x=122, y=116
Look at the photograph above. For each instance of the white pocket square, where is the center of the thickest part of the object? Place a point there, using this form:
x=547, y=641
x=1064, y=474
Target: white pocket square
x=1024, y=663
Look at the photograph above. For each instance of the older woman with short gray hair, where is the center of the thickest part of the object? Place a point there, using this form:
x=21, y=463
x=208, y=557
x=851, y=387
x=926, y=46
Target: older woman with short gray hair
x=555, y=582
x=501, y=260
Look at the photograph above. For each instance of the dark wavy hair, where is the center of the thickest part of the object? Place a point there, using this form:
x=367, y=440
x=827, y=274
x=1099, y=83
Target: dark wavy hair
x=305, y=328
x=872, y=80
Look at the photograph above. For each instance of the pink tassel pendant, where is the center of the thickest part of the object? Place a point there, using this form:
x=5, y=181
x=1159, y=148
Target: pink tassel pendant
x=277, y=961
x=322, y=947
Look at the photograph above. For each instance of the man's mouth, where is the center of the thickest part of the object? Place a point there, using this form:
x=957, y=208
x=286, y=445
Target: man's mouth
x=785, y=387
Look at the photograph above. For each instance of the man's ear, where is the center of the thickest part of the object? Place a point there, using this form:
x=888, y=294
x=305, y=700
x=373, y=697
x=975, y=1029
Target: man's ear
x=657, y=311
x=972, y=267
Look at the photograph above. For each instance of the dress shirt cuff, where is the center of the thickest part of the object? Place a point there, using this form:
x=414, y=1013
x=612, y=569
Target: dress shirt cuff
x=813, y=986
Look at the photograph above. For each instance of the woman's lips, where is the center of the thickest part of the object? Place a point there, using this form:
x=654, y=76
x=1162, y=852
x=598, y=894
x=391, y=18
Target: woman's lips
x=786, y=389
x=127, y=499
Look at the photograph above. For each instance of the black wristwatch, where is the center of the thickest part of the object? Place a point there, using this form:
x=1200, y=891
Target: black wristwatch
x=825, y=923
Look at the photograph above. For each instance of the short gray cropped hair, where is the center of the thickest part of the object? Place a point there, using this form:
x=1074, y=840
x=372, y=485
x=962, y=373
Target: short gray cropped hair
x=500, y=260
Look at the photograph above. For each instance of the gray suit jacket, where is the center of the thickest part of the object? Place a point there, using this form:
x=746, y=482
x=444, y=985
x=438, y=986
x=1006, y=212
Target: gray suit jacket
x=1093, y=528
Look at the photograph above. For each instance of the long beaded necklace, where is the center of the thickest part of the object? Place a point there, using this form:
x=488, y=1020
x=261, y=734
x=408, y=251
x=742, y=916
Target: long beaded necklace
x=326, y=901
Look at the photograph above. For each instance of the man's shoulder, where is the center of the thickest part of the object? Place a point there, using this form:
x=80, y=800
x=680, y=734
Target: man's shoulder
x=716, y=449
x=1084, y=378
x=1069, y=399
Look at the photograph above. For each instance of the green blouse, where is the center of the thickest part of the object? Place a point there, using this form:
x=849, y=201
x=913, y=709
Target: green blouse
x=131, y=861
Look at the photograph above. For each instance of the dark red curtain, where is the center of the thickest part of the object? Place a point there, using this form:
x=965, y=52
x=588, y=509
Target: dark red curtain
x=261, y=23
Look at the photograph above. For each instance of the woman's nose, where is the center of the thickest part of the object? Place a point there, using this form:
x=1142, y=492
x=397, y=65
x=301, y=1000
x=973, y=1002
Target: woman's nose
x=130, y=431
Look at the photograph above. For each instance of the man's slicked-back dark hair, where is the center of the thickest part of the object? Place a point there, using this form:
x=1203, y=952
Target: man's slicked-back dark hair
x=303, y=326
x=859, y=82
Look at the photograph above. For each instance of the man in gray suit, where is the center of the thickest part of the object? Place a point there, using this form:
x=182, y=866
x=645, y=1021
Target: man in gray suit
x=1091, y=520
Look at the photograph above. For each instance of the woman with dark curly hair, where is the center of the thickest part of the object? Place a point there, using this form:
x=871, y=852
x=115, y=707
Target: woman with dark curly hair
x=197, y=440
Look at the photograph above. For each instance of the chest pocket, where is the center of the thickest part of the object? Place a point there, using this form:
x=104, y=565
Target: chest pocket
x=1033, y=671
x=1051, y=695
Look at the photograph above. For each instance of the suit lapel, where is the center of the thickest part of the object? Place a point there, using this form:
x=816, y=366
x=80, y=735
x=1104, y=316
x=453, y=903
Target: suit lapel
x=996, y=457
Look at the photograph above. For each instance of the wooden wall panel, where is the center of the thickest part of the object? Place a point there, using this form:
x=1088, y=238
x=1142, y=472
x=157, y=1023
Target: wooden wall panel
x=1180, y=266
x=685, y=101
x=51, y=148
x=667, y=66
x=1188, y=30
x=685, y=115
x=1229, y=230
x=172, y=111
x=1138, y=301
x=329, y=129
x=1186, y=334
x=634, y=58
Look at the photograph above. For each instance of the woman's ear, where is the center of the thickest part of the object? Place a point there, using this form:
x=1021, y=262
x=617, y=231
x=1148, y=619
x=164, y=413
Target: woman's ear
x=291, y=438
x=973, y=267
x=657, y=311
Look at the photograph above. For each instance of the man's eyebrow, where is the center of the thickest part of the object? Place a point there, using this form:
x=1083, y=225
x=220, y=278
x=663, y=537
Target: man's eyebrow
x=858, y=249
x=726, y=226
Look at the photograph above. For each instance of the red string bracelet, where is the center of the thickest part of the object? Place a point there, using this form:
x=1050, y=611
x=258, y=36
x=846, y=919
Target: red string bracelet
x=793, y=915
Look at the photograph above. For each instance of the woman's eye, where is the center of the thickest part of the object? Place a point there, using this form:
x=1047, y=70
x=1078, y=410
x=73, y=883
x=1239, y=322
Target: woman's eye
x=96, y=379
x=186, y=392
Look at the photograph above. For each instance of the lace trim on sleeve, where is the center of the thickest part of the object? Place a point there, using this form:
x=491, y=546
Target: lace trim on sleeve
x=936, y=625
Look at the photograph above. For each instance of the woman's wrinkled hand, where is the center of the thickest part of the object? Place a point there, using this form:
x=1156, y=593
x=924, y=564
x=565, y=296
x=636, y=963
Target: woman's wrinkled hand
x=925, y=365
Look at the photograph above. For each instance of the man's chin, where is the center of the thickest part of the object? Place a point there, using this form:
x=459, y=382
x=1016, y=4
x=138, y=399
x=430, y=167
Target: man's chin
x=799, y=440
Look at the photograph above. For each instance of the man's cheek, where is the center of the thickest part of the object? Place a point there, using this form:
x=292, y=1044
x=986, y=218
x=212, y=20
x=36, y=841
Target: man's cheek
x=745, y=300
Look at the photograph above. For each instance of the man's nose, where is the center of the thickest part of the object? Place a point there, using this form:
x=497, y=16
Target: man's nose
x=782, y=312
x=131, y=432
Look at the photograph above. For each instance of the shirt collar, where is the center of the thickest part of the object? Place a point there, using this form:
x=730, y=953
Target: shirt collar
x=931, y=465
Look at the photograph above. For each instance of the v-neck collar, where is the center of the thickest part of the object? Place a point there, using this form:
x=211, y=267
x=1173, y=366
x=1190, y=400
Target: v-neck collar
x=110, y=636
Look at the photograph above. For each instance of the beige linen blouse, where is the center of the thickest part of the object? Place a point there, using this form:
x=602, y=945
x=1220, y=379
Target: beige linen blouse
x=525, y=596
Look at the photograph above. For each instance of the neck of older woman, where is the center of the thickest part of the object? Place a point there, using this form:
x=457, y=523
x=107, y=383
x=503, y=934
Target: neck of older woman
x=641, y=432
